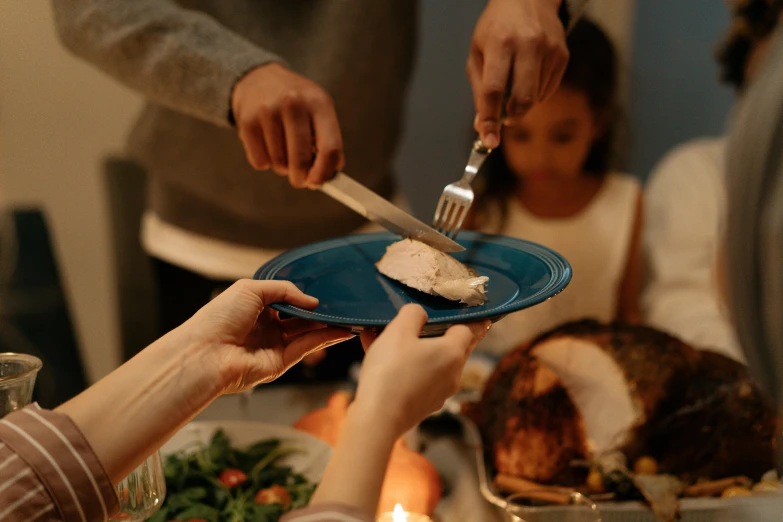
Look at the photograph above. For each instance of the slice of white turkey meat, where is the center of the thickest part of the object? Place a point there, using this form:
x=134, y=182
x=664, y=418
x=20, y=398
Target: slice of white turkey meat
x=598, y=388
x=428, y=270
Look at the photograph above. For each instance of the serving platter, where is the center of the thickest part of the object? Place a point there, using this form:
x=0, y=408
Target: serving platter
x=692, y=509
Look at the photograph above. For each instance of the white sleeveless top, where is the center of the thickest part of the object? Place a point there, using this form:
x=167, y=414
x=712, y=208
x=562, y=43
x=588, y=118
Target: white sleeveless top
x=596, y=242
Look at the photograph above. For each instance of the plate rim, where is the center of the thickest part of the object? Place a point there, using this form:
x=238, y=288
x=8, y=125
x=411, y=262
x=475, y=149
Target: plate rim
x=561, y=277
x=322, y=451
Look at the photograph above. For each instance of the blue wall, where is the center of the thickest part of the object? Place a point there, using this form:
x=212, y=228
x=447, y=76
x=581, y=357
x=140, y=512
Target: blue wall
x=675, y=94
x=439, y=114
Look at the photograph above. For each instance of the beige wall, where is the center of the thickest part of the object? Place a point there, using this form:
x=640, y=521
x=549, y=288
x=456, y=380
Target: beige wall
x=58, y=117
x=617, y=18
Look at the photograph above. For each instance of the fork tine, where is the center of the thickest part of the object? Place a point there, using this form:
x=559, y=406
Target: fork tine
x=459, y=224
x=446, y=217
x=456, y=211
x=448, y=208
x=436, y=223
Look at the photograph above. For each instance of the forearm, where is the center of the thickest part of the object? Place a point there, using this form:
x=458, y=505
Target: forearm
x=355, y=473
x=179, y=58
x=134, y=410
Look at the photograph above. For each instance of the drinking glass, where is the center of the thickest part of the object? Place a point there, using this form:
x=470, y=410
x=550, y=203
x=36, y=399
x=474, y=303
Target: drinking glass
x=142, y=492
x=17, y=380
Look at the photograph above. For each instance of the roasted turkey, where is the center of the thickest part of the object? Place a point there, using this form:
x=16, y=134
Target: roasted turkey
x=587, y=389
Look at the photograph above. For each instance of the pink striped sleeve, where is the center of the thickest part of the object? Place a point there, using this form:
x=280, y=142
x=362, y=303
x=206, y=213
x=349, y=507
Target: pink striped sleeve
x=49, y=472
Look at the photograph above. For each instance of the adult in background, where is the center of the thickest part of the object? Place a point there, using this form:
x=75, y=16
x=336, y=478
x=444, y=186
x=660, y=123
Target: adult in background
x=295, y=88
x=685, y=211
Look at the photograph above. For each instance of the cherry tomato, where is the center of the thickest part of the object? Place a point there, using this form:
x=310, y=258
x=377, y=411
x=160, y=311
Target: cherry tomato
x=274, y=495
x=232, y=478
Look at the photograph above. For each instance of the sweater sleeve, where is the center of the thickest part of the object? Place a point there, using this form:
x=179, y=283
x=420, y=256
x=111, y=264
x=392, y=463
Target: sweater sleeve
x=176, y=57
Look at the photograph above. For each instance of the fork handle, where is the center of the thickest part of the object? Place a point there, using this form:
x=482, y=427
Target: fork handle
x=477, y=156
x=479, y=146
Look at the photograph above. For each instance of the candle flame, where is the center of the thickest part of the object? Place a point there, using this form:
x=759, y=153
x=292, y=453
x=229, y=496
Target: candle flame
x=399, y=514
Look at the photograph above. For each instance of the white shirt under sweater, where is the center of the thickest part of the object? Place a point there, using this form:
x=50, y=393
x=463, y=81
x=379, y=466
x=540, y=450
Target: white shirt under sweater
x=596, y=242
x=685, y=212
x=210, y=257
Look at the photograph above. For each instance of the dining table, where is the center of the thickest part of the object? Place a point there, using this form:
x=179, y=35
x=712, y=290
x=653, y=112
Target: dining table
x=452, y=456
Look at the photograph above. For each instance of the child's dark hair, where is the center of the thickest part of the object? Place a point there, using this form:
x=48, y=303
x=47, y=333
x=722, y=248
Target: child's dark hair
x=592, y=69
x=753, y=21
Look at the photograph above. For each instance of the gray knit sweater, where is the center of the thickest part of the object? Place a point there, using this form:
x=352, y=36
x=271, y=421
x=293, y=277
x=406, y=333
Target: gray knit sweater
x=185, y=57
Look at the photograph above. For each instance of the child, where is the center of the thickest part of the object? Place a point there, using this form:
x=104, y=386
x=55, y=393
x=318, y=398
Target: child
x=551, y=182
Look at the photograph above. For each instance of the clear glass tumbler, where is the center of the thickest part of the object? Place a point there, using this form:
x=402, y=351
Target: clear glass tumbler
x=142, y=492
x=17, y=380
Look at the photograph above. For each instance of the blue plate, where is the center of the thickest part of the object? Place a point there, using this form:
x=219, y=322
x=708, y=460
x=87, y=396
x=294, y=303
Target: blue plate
x=341, y=273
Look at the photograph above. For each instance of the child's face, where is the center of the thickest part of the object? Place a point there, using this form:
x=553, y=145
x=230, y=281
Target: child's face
x=551, y=142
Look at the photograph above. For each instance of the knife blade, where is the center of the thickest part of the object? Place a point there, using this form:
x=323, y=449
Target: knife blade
x=364, y=201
